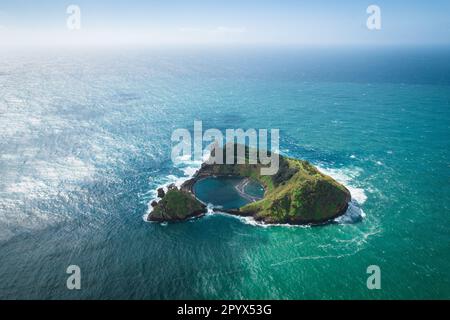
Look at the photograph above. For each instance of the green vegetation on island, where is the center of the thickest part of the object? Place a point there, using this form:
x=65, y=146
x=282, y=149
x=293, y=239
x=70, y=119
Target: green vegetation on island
x=176, y=205
x=297, y=194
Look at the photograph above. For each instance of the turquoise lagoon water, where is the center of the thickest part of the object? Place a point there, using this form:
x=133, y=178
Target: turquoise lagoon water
x=222, y=192
x=85, y=141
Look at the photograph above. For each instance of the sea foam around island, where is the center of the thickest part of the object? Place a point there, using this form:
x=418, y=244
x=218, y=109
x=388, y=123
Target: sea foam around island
x=349, y=178
x=346, y=176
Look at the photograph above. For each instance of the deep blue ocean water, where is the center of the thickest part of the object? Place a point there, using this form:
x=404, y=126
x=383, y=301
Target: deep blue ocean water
x=85, y=142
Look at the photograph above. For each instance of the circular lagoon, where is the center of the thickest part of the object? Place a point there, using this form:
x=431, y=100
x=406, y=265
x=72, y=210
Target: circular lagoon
x=228, y=192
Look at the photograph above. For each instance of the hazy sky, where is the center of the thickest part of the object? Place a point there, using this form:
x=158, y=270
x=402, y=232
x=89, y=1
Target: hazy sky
x=223, y=22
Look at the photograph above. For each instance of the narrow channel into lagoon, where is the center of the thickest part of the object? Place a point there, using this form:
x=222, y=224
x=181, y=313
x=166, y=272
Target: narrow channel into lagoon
x=228, y=192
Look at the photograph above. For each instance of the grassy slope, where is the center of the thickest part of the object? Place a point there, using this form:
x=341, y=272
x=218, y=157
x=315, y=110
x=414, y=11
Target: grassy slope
x=298, y=193
x=306, y=196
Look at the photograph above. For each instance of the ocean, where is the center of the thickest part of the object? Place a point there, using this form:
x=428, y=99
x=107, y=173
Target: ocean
x=85, y=141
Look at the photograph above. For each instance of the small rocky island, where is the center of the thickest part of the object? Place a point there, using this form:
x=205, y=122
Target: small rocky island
x=297, y=194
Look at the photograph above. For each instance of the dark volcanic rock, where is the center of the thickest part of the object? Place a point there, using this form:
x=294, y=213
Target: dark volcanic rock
x=176, y=205
x=161, y=193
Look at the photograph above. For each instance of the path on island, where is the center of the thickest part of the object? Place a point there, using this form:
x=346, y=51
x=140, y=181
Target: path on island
x=240, y=188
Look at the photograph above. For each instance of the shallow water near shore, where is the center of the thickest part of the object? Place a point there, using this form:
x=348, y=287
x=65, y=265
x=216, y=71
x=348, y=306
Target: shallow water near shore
x=85, y=143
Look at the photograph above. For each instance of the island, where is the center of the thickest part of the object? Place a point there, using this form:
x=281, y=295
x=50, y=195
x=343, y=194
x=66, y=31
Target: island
x=297, y=194
x=175, y=205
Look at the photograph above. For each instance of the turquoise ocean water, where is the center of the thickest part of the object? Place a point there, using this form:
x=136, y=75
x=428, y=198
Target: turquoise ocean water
x=85, y=141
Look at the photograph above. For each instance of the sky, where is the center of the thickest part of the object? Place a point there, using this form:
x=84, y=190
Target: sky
x=271, y=22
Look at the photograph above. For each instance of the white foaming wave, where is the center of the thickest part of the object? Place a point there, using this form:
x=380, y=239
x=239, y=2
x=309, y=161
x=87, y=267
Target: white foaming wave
x=189, y=171
x=358, y=194
x=251, y=221
x=346, y=176
x=209, y=212
x=210, y=209
x=352, y=215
